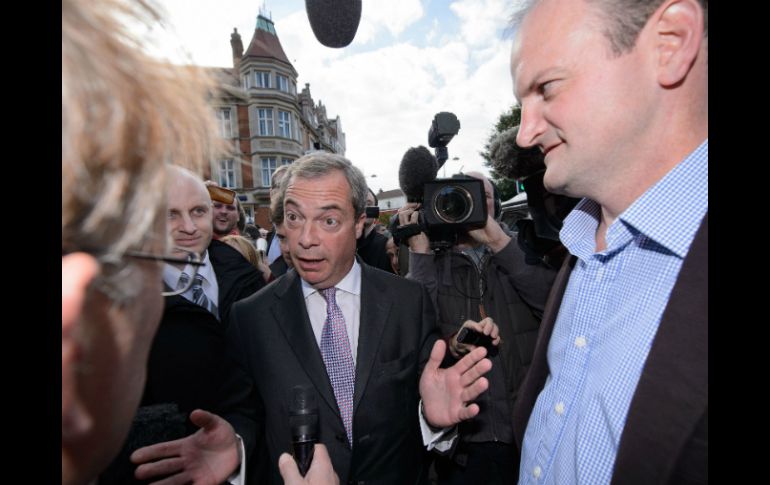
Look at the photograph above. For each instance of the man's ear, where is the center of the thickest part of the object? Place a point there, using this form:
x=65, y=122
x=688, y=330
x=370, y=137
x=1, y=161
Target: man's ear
x=360, y=225
x=77, y=272
x=677, y=30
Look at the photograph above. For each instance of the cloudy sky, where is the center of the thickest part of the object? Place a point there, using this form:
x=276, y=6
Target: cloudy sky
x=409, y=60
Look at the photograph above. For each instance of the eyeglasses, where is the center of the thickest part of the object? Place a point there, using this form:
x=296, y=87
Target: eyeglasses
x=191, y=262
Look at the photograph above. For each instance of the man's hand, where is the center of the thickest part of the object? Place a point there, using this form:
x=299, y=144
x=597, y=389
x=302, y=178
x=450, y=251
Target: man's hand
x=492, y=235
x=446, y=393
x=321, y=471
x=408, y=214
x=486, y=326
x=207, y=457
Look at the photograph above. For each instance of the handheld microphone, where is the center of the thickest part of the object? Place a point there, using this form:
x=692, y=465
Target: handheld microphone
x=334, y=22
x=417, y=167
x=303, y=421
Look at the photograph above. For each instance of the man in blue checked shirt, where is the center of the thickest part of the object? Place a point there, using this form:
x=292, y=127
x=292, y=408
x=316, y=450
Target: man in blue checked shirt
x=615, y=94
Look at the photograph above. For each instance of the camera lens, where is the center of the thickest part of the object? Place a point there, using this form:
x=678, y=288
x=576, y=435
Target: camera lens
x=453, y=204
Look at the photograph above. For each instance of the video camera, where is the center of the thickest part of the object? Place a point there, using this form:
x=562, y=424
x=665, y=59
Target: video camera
x=450, y=206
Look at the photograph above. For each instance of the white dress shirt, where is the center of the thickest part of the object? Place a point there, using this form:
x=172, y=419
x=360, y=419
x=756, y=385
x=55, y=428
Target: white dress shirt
x=171, y=276
x=348, y=298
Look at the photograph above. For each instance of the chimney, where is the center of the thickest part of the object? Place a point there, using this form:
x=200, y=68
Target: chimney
x=237, y=45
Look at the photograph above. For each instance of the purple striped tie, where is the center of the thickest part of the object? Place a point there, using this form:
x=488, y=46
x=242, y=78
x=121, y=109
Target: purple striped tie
x=335, y=350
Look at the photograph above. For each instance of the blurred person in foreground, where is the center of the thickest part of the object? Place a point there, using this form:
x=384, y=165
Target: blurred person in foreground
x=125, y=116
x=615, y=94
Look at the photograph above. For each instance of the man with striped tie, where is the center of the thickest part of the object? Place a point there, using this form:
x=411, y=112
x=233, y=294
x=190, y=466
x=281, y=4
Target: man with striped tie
x=186, y=357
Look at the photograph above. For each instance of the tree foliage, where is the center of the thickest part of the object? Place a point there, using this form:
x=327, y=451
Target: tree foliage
x=508, y=119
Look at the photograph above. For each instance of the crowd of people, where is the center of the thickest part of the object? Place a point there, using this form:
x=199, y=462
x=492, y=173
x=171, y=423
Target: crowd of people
x=186, y=331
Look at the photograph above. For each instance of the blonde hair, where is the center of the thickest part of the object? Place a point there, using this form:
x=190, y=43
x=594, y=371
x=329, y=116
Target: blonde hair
x=125, y=116
x=244, y=247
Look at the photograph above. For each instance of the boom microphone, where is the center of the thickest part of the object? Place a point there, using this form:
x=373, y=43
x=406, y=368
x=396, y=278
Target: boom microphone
x=303, y=421
x=334, y=22
x=512, y=161
x=417, y=167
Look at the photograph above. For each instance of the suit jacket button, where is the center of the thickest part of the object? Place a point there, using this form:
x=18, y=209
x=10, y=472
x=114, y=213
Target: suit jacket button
x=342, y=437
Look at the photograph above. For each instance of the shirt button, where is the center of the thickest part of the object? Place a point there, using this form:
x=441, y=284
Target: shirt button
x=559, y=408
x=536, y=472
x=580, y=342
x=600, y=273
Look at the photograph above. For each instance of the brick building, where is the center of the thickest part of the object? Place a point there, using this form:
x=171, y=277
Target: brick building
x=266, y=120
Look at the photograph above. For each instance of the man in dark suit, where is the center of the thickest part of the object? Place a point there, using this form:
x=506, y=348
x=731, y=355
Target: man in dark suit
x=617, y=391
x=362, y=339
x=187, y=357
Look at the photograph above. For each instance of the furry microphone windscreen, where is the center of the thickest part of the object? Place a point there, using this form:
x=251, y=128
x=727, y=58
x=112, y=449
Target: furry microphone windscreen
x=510, y=160
x=418, y=166
x=334, y=22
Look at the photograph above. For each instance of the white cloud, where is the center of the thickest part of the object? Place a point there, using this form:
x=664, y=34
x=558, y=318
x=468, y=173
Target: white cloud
x=386, y=95
x=481, y=20
x=395, y=16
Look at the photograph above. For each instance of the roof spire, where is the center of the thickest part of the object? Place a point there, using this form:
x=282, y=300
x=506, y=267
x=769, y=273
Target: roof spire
x=264, y=12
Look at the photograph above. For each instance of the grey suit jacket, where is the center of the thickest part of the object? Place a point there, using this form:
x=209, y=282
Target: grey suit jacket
x=665, y=438
x=274, y=349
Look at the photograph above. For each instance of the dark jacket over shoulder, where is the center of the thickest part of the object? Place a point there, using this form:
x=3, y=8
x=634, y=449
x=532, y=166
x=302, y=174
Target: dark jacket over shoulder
x=372, y=250
x=187, y=355
x=513, y=293
x=665, y=437
x=186, y=361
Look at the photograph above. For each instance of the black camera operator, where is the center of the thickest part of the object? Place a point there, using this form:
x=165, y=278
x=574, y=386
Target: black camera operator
x=482, y=281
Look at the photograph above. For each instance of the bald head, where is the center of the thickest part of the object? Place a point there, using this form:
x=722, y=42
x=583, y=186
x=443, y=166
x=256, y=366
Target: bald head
x=190, y=222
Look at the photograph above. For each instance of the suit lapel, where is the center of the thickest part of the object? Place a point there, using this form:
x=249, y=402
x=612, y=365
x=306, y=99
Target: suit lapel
x=291, y=314
x=374, y=315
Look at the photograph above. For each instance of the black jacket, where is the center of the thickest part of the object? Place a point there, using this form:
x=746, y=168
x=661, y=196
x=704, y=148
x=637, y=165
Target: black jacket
x=184, y=371
x=273, y=348
x=187, y=353
x=373, y=252
x=513, y=293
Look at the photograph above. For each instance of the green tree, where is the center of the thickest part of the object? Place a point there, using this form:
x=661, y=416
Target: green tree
x=509, y=119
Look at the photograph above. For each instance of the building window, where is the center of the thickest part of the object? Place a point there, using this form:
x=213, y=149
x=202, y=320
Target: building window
x=283, y=83
x=265, y=121
x=284, y=124
x=247, y=81
x=227, y=173
x=225, y=122
x=262, y=79
x=286, y=161
x=268, y=167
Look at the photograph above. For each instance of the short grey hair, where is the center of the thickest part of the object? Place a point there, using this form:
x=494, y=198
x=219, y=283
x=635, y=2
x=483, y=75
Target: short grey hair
x=319, y=164
x=623, y=19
